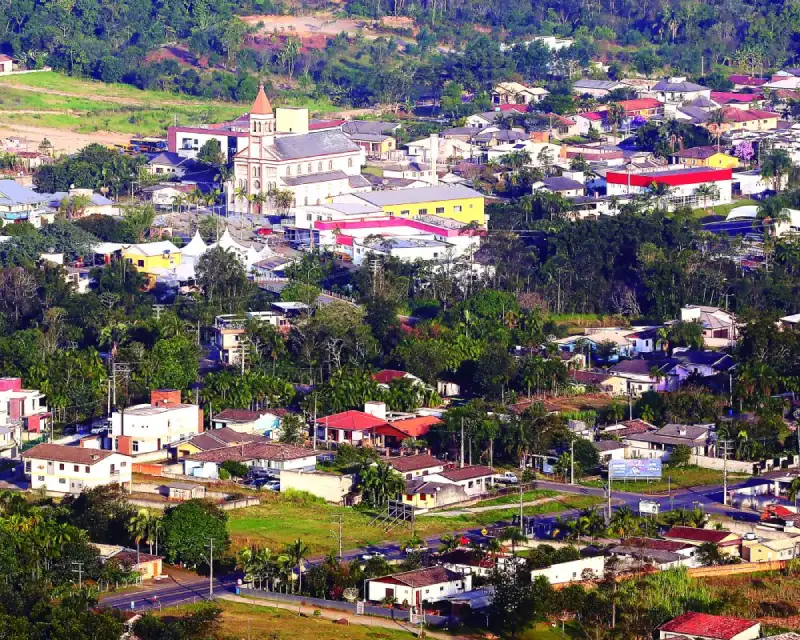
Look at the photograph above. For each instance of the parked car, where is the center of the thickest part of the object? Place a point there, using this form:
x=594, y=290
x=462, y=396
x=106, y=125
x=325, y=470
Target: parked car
x=263, y=231
x=508, y=477
x=372, y=554
x=273, y=485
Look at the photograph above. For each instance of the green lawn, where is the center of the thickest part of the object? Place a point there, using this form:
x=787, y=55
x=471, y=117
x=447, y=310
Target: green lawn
x=281, y=518
x=681, y=478
x=544, y=631
x=527, y=496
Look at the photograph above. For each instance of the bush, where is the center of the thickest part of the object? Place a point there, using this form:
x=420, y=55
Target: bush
x=224, y=474
x=234, y=468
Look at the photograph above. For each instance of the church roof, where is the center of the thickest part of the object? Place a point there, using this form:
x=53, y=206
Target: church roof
x=261, y=105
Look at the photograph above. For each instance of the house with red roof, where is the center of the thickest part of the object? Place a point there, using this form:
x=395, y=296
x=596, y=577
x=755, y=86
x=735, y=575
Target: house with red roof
x=704, y=626
x=744, y=120
x=264, y=422
x=741, y=81
x=352, y=427
x=416, y=466
x=385, y=376
x=738, y=100
x=683, y=183
x=728, y=542
x=417, y=587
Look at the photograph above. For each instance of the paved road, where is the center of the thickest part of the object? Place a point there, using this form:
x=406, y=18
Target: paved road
x=708, y=498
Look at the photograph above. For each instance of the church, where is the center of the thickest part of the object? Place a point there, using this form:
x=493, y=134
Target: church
x=283, y=154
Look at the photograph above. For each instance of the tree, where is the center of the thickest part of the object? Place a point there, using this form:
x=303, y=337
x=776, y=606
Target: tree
x=297, y=551
x=517, y=603
x=707, y=191
x=294, y=430
x=138, y=527
x=615, y=116
x=235, y=468
x=379, y=483
x=680, y=456
x=189, y=528
x=586, y=454
x=221, y=275
x=211, y=153
x=136, y=222
x=708, y=554
x=686, y=334
x=775, y=165
x=716, y=122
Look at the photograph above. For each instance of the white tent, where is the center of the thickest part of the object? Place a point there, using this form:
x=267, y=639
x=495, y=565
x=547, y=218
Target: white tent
x=191, y=253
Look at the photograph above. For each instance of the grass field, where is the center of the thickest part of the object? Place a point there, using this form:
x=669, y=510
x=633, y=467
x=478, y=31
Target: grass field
x=281, y=518
x=250, y=622
x=681, y=477
x=511, y=498
x=770, y=597
x=57, y=101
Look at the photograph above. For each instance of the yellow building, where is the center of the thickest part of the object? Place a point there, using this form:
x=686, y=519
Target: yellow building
x=705, y=157
x=455, y=202
x=769, y=550
x=152, y=256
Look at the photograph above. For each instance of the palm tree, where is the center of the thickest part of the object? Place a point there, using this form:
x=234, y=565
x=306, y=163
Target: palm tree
x=623, y=522
x=615, y=116
x=707, y=191
x=661, y=192
x=515, y=537
x=241, y=193
x=794, y=491
x=449, y=543
x=138, y=526
x=775, y=165
x=663, y=339
x=297, y=552
x=717, y=119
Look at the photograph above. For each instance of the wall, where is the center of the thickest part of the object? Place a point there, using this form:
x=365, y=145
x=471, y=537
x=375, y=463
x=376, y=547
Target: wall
x=328, y=486
x=571, y=571
x=148, y=469
x=736, y=569
x=67, y=480
x=717, y=463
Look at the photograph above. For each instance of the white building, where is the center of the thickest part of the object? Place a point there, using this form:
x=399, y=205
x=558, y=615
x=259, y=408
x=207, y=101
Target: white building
x=681, y=185
x=26, y=408
x=283, y=154
x=475, y=480
x=262, y=455
x=20, y=204
x=414, y=588
x=64, y=469
x=677, y=91
x=572, y=571
x=145, y=430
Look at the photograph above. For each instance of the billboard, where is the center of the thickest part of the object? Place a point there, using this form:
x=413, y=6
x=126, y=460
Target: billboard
x=648, y=506
x=635, y=469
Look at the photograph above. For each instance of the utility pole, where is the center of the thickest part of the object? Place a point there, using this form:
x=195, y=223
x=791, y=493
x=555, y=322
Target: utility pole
x=521, y=517
x=609, y=491
x=314, y=424
x=211, y=568
x=724, y=471
x=339, y=535
x=630, y=402
x=461, y=465
x=79, y=571
x=572, y=461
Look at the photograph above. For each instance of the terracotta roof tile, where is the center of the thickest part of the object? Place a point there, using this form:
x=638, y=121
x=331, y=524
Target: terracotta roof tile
x=64, y=453
x=351, y=421
x=467, y=473
x=405, y=464
x=708, y=626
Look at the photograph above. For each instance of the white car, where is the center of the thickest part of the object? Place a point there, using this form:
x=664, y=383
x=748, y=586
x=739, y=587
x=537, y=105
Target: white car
x=509, y=477
x=372, y=554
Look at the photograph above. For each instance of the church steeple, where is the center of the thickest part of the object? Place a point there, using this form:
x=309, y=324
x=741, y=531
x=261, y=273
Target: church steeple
x=261, y=105
x=262, y=123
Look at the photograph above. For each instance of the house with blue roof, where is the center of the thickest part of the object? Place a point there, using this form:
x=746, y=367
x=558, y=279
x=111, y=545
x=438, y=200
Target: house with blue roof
x=20, y=204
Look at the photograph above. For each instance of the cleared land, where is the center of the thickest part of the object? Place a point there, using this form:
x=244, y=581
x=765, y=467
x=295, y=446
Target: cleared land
x=40, y=105
x=281, y=518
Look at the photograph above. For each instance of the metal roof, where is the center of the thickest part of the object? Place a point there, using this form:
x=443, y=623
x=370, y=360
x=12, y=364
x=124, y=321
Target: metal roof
x=12, y=193
x=310, y=145
x=312, y=178
x=417, y=196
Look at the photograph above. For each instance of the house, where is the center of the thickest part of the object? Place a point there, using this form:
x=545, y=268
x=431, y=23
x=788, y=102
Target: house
x=677, y=91
x=415, y=466
x=487, y=118
x=424, y=494
x=258, y=454
x=386, y=376
x=719, y=326
x=230, y=331
x=699, y=363
x=561, y=185
x=767, y=550
x=708, y=156
x=67, y=469
x=455, y=202
x=151, y=257
x=418, y=587
x=596, y=88
x=663, y=554
x=183, y=491
x=146, y=430
x=517, y=93
x=283, y=152
x=146, y=564
x=609, y=450
x=209, y=440
x=741, y=81
x=727, y=542
x=468, y=562
x=704, y=626
x=629, y=428
x=475, y=480
x=417, y=427
x=97, y=204
x=683, y=184
x=24, y=407
x=351, y=427
x=170, y=165
x=440, y=152
x=589, y=568
x=660, y=443
x=375, y=138
x=20, y=204
x=411, y=170
x=164, y=196
x=6, y=64
x=262, y=422
x=738, y=100
x=744, y=120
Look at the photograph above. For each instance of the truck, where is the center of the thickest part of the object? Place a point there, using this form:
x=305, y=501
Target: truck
x=508, y=477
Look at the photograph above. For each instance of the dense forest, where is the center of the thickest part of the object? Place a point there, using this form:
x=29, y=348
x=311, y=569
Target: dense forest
x=118, y=41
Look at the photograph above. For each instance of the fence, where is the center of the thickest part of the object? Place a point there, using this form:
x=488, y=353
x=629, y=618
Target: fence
x=736, y=569
x=347, y=607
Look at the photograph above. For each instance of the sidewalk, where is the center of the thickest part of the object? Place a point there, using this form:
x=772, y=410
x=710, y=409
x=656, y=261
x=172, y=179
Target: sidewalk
x=367, y=621
x=495, y=507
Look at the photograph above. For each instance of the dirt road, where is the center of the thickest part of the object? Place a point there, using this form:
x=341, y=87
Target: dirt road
x=63, y=141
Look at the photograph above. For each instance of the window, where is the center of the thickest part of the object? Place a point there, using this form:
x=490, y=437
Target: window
x=469, y=484
x=457, y=208
x=27, y=466
x=61, y=467
x=88, y=470
x=404, y=212
x=288, y=171
x=319, y=166
x=309, y=217
x=439, y=209
x=75, y=468
x=123, y=464
x=62, y=481
x=41, y=478
x=135, y=446
x=422, y=212
x=409, y=497
x=422, y=496
x=330, y=165
x=140, y=263
x=435, y=254
x=310, y=167
x=299, y=169
x=349, y=162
